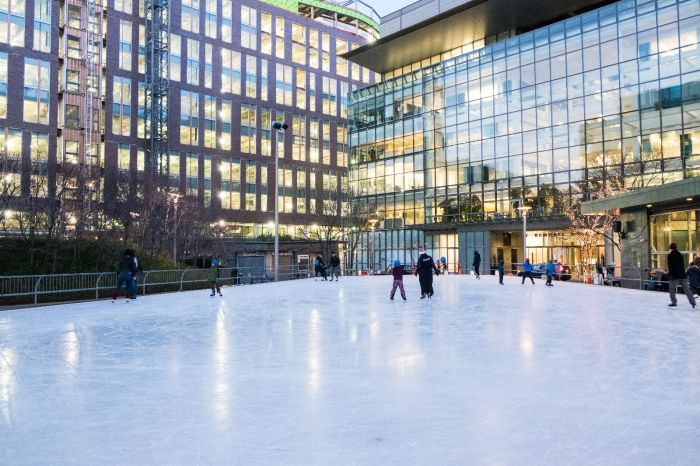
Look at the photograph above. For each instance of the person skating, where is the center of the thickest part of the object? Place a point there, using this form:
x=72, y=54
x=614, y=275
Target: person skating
x=334, y=266
x=125, y=275
x=693, y=273
x=550, y=270
x=320, y=268
x=677, y=276
x=137, y=275
x=527, y=271
x=501, y=271
x=397, y=272
x=424, y=270
x=214, y=277
x=476, y=263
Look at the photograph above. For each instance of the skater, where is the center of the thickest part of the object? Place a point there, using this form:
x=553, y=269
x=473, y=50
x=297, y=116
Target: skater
x=214, y=277
x=137, y=275
x=397, y=272
x=693, y=273
x=320, y=268
x=551, y=269
x=476, y=264
x=527, y=271
x=501, y=271
x=424, y=270
x=677, y=276
x=334, y=266
x=125, y=275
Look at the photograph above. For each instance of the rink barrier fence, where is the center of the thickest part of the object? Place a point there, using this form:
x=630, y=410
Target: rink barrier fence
x=27, y=289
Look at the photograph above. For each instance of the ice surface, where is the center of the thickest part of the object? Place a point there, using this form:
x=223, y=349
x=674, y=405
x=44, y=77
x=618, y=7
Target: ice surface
x=311, y=372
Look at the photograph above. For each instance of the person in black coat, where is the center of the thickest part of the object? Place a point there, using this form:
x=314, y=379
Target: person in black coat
x=424, y=269
x=476, y=263
x=125, y=274
x=677, y=276
x=693, y=273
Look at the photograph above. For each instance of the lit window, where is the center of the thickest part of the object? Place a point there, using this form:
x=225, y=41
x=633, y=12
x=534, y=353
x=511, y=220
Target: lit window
x=36, y=91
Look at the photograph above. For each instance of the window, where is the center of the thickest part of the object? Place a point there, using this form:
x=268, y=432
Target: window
x=210, y=19
x=280, y=43
x=325, y=52
x=312, y=92
x=192, y=173
x=174, y=168
x=12, y=22
x=250, y=184
x=251, y=76
x=72, y=116
x=301, y=88
x=123, y=157
x=42, y=25
x=248, y=128
x=326, y=129
x=175, y=56
x=190, y=15
x=330, y=95
x=265, y=32
x=193, y=62
x=284, y=189
x=230, y=71
x=263, y=186
x=3, y=85
x=207, y=180
x=189, y=117
x=225, y=114
x=208, y=65
x=70, y=152
x=72, y=81
x=341, y=144
x=73, y=46
x=249, y=27
x=299, y=137
x=230, y=193
x=313, y=48
x=142, y=49
x=123, y=5
x=313, y=140
x=283, y=84
x=209, y=121
x=141, y=122
x=301, y=191
x=121, y=106
x=341, y=64
x=36, y=91
x=40, y=147
x=298, y=44
x=227, y=20
x=263, y=79
x=265, y=130
x=73, y=14
x=124, y=45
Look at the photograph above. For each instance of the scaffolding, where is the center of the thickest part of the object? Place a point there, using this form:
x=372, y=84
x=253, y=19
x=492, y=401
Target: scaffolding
x=156, y=90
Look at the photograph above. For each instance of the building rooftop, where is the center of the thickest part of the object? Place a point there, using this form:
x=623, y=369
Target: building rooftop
x=468, y=22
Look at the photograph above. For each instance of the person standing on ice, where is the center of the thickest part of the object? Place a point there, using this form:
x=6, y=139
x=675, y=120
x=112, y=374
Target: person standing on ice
x=527, y=271
x=424, y=269
x=397, y=272
x=550, y=270
x=334, y=266
x=125, y=275
x=501, y=271
x=677, y=276
x=214, y=277
x=693, y=273
x=476, y=264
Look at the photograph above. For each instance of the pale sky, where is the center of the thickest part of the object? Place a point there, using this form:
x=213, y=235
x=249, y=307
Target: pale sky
x=384, y=7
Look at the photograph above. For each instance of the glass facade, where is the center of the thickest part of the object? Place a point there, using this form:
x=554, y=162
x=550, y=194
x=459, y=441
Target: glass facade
x=531, y=120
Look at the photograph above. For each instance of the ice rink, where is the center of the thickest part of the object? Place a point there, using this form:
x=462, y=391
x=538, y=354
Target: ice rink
x=309, y=372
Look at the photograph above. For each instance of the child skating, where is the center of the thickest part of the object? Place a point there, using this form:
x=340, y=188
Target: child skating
x=214, y=277
x=397, y=272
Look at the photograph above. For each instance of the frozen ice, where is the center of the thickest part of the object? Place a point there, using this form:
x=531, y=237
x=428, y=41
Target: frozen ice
x=313, y=372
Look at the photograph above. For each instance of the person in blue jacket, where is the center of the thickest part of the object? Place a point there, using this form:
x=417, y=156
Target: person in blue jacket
x=527, y=271
x=551, y=269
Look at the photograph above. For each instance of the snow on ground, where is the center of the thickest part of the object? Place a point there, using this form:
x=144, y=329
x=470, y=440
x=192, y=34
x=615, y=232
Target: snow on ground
x=311, y=372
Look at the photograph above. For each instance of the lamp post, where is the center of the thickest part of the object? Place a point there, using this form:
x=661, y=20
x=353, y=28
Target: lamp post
x=524, y=210
x=280, y=128
x=175, y=197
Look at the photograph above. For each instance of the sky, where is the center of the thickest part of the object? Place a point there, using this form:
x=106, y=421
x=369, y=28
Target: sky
x=384, y=7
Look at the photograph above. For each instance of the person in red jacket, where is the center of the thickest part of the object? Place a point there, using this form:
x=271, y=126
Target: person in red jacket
x=397, y=272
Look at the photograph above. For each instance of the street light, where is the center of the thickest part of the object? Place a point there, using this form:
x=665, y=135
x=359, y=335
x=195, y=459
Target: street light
x=524, y=210
x=280, y=128
x=175, y=197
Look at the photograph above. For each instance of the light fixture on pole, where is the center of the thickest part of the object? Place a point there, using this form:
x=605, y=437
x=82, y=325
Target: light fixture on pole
x=175, y=198
x=524, y=210
x=279, y=127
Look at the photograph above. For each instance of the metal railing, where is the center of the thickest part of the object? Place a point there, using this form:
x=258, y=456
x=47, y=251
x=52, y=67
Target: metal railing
x=25, y=289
